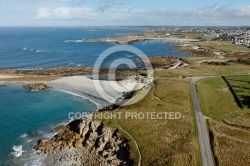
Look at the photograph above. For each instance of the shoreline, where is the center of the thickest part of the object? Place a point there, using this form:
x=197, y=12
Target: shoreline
x=82, y=86
x=78, y=91
x=86, y=87
x=98, y=105
x=24, y=156
x=29, y=156
x=134, y=39
x=72, y=154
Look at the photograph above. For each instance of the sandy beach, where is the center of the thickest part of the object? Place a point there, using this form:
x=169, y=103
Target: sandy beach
x=85, y=87
x=100, y=92
x=8, y=76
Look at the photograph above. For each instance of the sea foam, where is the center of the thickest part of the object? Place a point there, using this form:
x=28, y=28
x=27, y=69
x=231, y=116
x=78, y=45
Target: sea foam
x=18, y=151
x=32, y=50
x=24, y=135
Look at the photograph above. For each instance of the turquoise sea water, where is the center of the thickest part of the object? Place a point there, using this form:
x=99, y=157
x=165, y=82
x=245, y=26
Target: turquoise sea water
x=22, y=112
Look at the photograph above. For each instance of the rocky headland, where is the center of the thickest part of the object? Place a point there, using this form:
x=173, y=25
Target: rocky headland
x=85, y=142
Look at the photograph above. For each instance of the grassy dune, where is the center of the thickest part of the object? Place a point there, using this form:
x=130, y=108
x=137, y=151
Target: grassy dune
x=163, y=141
x=175, y=142
x=230, y=144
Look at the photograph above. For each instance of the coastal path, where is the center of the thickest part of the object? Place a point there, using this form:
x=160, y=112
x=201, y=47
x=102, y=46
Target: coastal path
x=205, y=147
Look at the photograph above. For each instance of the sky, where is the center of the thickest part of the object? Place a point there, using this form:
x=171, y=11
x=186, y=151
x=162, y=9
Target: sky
x=124, y=12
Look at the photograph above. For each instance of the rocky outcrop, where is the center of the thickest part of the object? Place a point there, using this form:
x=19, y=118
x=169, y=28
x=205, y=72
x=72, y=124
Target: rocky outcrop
x=109, y=108
x=90, y=136
x=37, y=87
x=58, y=129
x=218, y=63
x=244, y=61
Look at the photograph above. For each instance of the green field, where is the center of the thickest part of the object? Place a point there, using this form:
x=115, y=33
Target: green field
x=215, y=98
x=223, y=46
x=241, y=86
x=189, y=36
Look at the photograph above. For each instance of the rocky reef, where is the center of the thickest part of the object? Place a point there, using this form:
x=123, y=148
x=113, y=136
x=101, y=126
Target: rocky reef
x=37, y=87
x=90, y=138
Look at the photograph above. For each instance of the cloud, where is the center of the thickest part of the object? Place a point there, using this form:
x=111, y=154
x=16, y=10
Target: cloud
x=210, y=14
x=108, y=4
x=244, y=11
x=214, y=13
x=1, y=4
x=58, y=2
x=64, y=13
x=75, y=13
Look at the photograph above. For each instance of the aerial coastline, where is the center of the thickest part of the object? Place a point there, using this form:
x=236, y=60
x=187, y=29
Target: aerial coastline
x=124, y=83
x=70, y=142
x=76, y=84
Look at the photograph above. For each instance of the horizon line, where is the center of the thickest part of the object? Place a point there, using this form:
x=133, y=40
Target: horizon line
x=124, y=25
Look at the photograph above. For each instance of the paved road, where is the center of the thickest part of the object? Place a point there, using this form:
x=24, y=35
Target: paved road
x=205, y=148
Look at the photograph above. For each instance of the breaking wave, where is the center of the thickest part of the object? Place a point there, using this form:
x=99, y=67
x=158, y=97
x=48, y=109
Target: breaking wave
x=32, y=50
x=24, y=135
x=18, y=151
x=74, y=41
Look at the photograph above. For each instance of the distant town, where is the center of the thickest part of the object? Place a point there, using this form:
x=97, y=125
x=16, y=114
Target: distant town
x=238, y=35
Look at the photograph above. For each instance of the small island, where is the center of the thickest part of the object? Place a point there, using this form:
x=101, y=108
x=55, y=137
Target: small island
x=37, y=87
